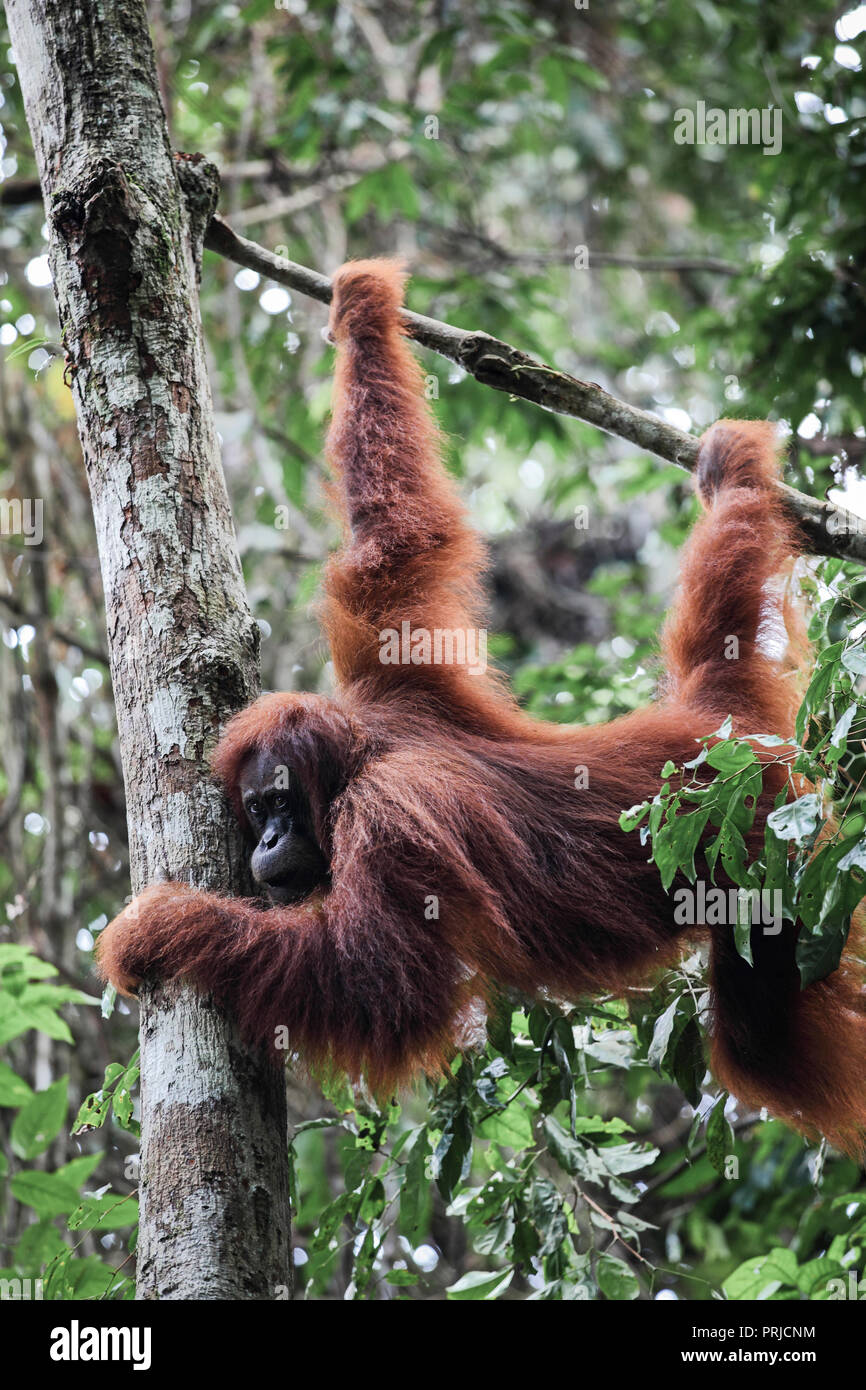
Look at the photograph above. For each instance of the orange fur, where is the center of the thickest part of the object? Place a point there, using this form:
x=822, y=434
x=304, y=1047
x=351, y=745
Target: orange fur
x=456, y=833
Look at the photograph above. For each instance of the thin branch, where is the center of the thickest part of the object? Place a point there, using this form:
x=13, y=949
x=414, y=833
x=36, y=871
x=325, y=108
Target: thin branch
x=19, y=192
x=596, y=259
x=602, y=259
x=831, y=446
x=15, y=193
x=615, y=1229
x=828, y=529
x=59, y=634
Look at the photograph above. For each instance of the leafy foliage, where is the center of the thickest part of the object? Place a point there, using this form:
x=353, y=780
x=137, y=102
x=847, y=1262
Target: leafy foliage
x=29, y=999
x=813, y=863
x=507, y=1144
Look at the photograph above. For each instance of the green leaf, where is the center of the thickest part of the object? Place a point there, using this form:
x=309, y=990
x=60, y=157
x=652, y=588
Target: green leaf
x=540, y=1020
x=372, y=1203
x=569, y=1153
x=854, y=660
x=547, y=1214
x=720, y=1136
x=688, y=1066
x=664, y=1031
x=761, y=1276
x=855, y=858
x=76, y=1279
x=631, y=819
x=734, y=853
x=819, y=687
x=45, y=1020
x=49, y=1194
x=594, y=1124
x=731, y=757
x=511, y=1127
x=615, y=1279
x=829, y=655
x=664, y=855
x=480, y=1284
x=453, y=1154
x=323, y=1122
x=415, y=1190
x=818, y=952
x=743, y=926
x=40, y=1120
x=839, y=736
x=743, y=800
x=14, y=1090
x=687, y=831
x=797, y=820
x=13, y=1020
x=39, y=1243
x=93, y=1112
x=495, y=1235
x=109, y=1212
x=628, y=1158
x=814, y=1276
x=775, y=855
x=78, y=1170
x=21, y=957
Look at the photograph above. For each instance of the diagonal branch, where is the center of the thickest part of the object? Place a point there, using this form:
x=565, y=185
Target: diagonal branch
x=597, y=259
x=829, y=530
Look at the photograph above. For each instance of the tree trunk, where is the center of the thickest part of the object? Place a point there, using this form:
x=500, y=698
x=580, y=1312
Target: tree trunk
x=124, y=251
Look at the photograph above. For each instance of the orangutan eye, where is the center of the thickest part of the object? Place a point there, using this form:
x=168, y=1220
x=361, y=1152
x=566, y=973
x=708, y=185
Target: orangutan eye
x=281, y=802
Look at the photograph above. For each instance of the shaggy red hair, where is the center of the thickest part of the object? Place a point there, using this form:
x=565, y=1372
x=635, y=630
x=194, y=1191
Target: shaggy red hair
x=457, y=831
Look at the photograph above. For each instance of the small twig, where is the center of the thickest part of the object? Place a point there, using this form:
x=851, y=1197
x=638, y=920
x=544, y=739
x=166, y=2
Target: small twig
x=596, y=259
x=613, y=1226
x=59, y=634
